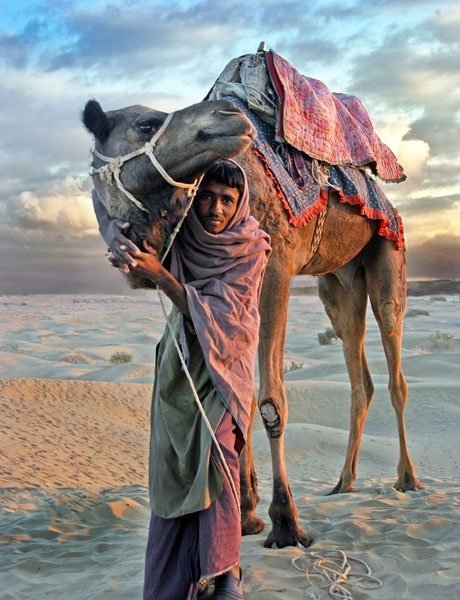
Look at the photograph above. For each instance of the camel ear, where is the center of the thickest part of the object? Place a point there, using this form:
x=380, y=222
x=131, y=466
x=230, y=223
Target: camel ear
x=96, y=121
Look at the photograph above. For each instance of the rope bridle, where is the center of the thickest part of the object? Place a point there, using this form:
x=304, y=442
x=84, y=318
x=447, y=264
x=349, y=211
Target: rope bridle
x=112, y=170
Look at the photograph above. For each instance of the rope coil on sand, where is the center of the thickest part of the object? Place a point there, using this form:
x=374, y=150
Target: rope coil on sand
x=334, y=571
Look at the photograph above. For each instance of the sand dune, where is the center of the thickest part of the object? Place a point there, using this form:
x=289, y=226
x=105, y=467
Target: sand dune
x=73, y=448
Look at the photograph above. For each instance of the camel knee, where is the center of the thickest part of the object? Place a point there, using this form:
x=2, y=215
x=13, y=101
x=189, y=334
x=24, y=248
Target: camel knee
x=398, y=393
x=390, y=313
x=271, y=418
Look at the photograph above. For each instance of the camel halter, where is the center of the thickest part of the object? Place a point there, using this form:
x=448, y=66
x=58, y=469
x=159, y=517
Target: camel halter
x=112, y=170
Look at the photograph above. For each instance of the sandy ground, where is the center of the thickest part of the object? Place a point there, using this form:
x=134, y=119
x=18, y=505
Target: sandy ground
x=73, y=454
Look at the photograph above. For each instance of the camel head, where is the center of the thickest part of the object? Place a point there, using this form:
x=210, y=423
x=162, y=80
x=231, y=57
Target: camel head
x=192, y=139
x=195, y=137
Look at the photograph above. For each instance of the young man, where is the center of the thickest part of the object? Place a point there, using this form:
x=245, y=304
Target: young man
x=214, y=278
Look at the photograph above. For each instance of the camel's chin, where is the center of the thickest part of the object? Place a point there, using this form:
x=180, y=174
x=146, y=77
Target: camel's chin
x=137, y=282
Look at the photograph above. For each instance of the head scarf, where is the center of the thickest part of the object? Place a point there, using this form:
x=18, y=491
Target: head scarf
x=222, y=275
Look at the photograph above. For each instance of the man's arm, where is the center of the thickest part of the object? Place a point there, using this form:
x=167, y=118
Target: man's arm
x=149, y=266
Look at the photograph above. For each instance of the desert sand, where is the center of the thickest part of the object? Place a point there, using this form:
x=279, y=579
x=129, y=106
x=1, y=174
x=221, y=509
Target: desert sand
x=73, y=447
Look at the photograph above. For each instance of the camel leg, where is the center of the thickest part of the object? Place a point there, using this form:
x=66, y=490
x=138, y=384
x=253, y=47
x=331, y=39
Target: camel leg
x=347, y=312
x=250, y=522
x=387, y=286
x=273, y=405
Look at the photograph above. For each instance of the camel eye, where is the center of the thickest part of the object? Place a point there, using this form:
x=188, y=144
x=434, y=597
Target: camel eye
x=146, y=127
x=149, y=126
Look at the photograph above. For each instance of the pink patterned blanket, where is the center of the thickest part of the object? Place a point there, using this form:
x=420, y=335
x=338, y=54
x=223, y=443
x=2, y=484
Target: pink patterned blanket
x=334, y=128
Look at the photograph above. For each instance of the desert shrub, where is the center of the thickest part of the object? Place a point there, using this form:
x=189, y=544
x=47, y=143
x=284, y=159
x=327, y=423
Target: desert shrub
x=14, y=348
x=438, y=299
x=294, y=366
x=417, y=312
x=76, y=358
x=440, y=341
x=121, y=358
x=327, y=337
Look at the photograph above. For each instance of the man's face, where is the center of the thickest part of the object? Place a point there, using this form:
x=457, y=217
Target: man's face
x=215, y=205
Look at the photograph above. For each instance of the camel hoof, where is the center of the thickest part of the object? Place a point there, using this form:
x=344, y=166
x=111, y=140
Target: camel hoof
x=251, y=525
x=341, y=489
x=281, y=540
x=414, y=487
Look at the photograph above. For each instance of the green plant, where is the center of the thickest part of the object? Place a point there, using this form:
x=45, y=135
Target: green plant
x=121, y=358
x=440, y=341
x=14, y=348
x=327, y=337
x=294, y=366
x=417, y=312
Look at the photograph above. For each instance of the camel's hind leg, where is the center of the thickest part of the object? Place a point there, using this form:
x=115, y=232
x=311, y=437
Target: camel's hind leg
x=387, y=288
x=347, y=312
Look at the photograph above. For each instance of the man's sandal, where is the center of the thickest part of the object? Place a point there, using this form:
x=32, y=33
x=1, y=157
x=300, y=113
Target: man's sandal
x=228, y=587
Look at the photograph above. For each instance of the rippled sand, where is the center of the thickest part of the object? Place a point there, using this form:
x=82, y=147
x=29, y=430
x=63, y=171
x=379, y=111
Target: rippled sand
x=73, y=453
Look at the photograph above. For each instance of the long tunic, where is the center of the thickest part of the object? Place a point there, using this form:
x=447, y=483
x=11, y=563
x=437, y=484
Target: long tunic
x=182, y=478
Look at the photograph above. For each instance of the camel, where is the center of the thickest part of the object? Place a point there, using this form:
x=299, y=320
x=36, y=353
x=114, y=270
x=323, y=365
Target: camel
x=351, y=261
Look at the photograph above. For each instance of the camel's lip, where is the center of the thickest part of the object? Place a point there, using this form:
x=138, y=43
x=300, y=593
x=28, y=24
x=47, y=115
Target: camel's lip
x=203, y=135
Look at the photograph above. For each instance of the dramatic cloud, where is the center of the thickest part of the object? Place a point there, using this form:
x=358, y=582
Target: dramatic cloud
x=437, y=258
x=54, y=56
x=66, y=209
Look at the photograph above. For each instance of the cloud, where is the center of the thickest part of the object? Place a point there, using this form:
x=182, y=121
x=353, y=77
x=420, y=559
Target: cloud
x=403, y=64
x=66, y=209
x=435, y=258
x=38, y=263
x=416, y=67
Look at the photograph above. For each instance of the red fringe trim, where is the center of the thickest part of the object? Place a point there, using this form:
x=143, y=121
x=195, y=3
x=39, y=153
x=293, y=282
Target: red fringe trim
x=319, y=205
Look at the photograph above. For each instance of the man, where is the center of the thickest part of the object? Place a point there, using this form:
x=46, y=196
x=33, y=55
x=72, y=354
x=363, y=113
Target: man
x=213, y=279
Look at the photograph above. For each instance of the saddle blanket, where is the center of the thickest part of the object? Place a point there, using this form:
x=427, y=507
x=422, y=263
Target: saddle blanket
x=331, y=127
x=303, y=183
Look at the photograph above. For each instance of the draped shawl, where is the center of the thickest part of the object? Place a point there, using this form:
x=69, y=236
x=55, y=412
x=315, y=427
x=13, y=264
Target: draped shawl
x=222, y=275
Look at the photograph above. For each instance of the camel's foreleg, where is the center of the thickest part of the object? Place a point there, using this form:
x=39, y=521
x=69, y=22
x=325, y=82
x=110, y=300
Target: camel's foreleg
x=273, y=406
x=386, y=269
x=347, y=312
x=250, y=522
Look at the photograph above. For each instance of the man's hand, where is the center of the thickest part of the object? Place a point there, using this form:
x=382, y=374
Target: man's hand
x=123, y=252
x=148, y=263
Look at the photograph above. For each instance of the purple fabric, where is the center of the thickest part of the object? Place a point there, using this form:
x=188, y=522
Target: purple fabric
x=183, y=550
x=222, y=275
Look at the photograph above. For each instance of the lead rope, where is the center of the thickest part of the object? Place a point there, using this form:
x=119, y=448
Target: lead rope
x=334, y=573
x=192, y=193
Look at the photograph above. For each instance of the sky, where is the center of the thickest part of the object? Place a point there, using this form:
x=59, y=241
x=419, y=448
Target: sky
x=402, y=59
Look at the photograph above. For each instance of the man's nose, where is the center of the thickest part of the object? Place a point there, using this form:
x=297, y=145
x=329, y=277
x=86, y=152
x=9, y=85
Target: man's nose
x=217, y=206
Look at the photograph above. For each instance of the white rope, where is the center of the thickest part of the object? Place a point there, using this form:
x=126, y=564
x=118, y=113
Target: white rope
x=192, y=193
x=112, y=170
x=334, y=571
